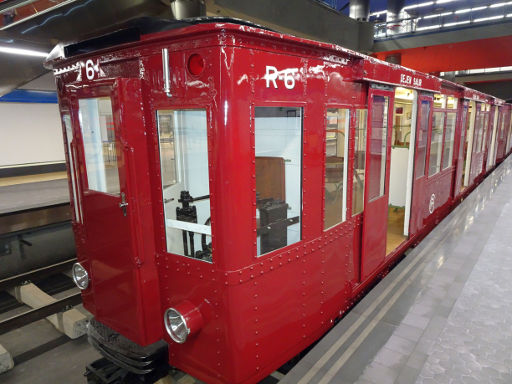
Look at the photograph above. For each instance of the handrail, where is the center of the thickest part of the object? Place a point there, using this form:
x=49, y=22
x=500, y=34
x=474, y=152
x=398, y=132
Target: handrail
x=25, y=9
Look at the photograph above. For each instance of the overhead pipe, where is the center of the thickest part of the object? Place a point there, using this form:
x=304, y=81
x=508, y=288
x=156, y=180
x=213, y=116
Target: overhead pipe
x=394, y=8
x=184, y=9
x=359, y=9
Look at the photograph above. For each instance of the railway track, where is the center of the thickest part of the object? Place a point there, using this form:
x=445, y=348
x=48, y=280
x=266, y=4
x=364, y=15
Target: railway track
x=41, y=293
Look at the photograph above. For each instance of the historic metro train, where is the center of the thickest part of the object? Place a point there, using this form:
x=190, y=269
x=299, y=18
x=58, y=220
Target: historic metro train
x=234, y=189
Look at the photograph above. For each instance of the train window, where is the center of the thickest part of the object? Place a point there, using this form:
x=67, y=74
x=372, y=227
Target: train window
x=66, y=118
x=278, y=164
x=451, y=102
x=479, y=129
x=439, y=101
x=359, y=161
x=97, y=124
x=449, y=137
x=484, y=131
x=378, y=147
x=422, y=138
x=166, y=137
x=336, y=155
x=502, y=129
x=183, y=148
x=436, y=143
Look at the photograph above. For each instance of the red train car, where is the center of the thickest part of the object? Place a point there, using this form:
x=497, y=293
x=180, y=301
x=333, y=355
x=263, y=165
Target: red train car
x=234, y=190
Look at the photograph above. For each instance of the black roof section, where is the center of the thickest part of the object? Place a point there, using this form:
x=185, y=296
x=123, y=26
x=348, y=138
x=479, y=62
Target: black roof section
x=132, y=30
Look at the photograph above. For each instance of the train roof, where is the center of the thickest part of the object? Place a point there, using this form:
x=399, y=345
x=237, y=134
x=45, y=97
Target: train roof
x=148, y=29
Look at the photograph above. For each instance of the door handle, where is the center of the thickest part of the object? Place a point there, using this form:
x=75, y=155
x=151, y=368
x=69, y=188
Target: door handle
x=123, y=204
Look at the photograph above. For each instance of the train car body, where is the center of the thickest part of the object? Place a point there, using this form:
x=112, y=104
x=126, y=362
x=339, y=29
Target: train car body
x=234, y=190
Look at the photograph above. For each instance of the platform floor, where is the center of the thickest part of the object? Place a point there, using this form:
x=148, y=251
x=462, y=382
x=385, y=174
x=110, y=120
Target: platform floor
x=443, y=315
x=13, y=180
x=33, y=194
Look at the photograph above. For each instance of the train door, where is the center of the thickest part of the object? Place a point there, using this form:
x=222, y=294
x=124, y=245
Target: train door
x=459, y=175
x=481, y=122
x=425, y=104
x=110, y=138
x=401, y=167
x=491, y=147
x=376, y=194
x=468, y=146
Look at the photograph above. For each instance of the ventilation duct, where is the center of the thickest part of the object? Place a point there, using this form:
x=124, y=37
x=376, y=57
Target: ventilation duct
x=184, y=9
x=359, y=9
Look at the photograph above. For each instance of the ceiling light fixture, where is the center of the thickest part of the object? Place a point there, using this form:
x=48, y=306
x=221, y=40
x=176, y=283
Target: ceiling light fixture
x=22, y=51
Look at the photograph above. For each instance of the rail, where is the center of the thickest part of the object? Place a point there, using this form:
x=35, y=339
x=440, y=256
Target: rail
x=36, y=273
x=30, y=316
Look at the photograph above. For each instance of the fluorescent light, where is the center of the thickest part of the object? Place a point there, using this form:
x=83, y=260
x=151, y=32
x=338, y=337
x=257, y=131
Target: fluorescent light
x=429, y=27
x=23, y=52
x=456, y=23
x=479, y=8
x=488, y=18
x=437, y=15
x=377, y=13
x=426, y=4
x=444, y=1
x=497, y=5
x=466, y=10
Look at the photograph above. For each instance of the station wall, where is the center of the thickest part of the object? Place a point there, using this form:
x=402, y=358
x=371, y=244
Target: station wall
x=30, y=133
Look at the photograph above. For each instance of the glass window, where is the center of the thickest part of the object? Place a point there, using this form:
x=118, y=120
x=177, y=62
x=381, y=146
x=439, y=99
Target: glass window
x=479, y=129
x=439, y=101
x=278, y=151
x=436, y=143
x=378, y=147
x=71, y=158
x=359, y=161
x=451, y=102
x=336, y=155
x=422, y=138
x=484, y=133
x=167, y=148
x=502, y=129
x=97, y=124
x=449, y=137
x=183, y=147
x=509, y=138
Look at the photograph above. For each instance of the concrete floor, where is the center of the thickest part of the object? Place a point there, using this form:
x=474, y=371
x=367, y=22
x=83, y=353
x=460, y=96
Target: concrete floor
x=443, y=315
x=62, y=364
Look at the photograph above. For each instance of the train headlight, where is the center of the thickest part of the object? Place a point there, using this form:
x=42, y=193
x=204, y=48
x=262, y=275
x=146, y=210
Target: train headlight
x=182, y=320
x=80, y=276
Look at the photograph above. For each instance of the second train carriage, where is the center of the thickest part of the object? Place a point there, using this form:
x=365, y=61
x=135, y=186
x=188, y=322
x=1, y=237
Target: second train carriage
x=235, y=189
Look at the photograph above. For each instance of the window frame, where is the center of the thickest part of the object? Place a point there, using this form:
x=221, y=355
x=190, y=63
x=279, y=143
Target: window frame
x=97, y=94
x=450, y=163
x=445, y=111
x=430, y=100
x=252, y=121
x=166, y=106
x=347, y=163
x=352, y=156
x=390, y=102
